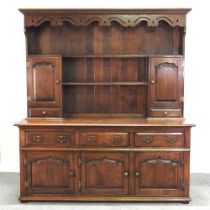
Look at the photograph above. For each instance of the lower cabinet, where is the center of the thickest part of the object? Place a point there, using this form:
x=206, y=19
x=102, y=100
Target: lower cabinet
x=49, y=172
x=106, y=173
x=61, y=163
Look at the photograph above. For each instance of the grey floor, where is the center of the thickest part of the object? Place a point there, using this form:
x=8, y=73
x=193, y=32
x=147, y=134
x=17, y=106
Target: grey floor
x=9, y=191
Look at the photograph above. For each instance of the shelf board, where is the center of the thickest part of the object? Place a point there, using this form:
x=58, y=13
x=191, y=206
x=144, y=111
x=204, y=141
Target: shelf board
x=108, y=56
x=119, y=56
x=103, y=116
x=104, y=83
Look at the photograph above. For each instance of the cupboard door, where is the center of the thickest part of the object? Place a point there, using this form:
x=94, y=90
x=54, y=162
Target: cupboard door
x=50, y=172
x=165, y=87
x=159, y=174
x=44, y=81
x=104, y=173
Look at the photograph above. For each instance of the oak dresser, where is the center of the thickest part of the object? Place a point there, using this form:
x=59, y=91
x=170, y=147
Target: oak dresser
x=105, y=95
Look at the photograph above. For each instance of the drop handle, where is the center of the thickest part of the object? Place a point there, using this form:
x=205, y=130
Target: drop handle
x=171, y=139
x=137, y=173
x=37, y=139
x=116, y=139
x=147, y=139
x=61, y=139
x=92, y=139
x=126, y=173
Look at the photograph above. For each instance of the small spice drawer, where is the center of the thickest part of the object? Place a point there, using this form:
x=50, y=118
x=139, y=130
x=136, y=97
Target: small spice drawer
x=159, y=139
x=49, y=138
x=103, y=139
x=44, y=112
x=165, y=112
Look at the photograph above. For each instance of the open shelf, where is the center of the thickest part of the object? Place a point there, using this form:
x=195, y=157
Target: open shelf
x=105, y=71
x=102, y=100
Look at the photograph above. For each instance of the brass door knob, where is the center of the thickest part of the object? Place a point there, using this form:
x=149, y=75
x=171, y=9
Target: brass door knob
x=57, y=81
x=71, y=173
x=137, y=173
x=126, y=173
x=152, y=81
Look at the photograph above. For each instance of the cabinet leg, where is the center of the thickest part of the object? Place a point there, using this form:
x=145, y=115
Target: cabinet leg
x=24, y=201
x=185, y=202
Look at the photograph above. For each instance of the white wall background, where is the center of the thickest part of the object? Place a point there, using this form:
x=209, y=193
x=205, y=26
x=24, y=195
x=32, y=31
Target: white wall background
x=13, y=73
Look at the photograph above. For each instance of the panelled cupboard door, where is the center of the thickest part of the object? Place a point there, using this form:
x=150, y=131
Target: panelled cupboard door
x=49, y=172
x=104, y=173
x=165, y=87
x=44, y=81
x=159, y=174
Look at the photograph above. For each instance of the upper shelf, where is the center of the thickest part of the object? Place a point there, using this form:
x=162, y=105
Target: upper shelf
x=119, y=56
x=104, y=17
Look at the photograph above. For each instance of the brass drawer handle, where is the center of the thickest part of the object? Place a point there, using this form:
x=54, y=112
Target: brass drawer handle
x=61, y=139
x=126, y=173
x=92, y=139
x=116, y=139
x=147, y=139
x=137, y=173
x=37, y=139
x=171, y=139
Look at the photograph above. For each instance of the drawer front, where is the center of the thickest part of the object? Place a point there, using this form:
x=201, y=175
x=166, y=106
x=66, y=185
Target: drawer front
x=103, y=139
x=159, y=139
x=49, y=138
x=165, y=113
x=44, y=112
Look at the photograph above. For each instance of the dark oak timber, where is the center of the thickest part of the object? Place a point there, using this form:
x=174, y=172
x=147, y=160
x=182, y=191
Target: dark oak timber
x=105, y=93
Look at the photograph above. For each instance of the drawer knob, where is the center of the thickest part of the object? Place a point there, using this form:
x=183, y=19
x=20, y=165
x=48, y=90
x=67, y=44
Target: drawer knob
x=92, y=139
x=44, y=112
x=116, y=139
x=57, y=81
x=153, y=82
x=147, y=139
x=37, y=139
x=165, y=113
x=137, y=174
x=126, y=173
x=171, y=139
x=61, y=139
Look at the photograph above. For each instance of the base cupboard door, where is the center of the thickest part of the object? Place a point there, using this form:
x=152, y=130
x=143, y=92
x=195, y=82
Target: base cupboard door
x=159, y=174
x=49, y=172
x=104, y=173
